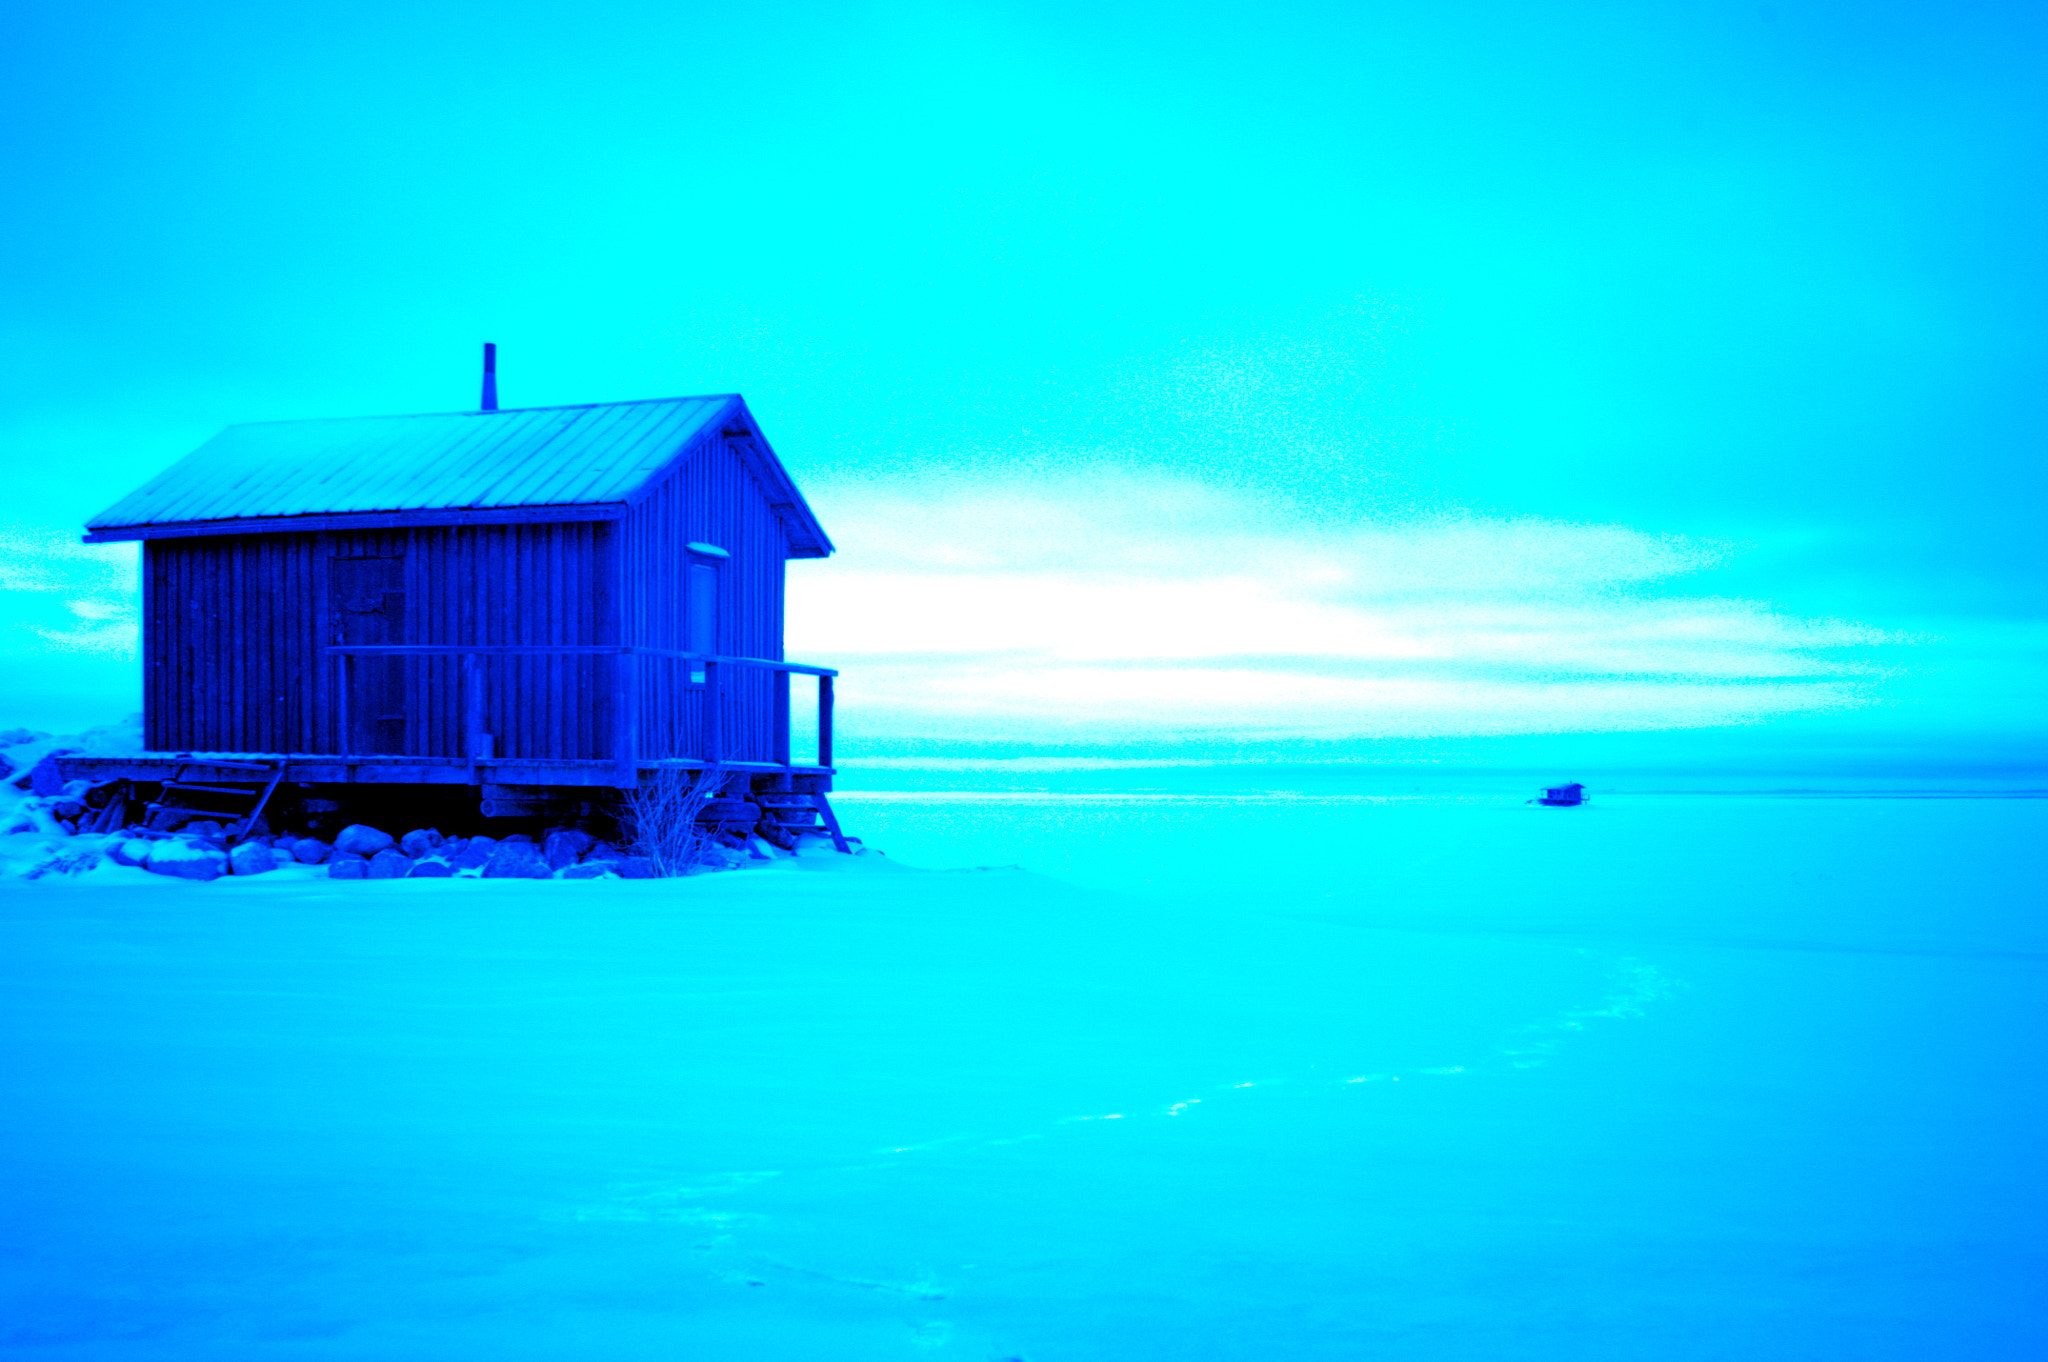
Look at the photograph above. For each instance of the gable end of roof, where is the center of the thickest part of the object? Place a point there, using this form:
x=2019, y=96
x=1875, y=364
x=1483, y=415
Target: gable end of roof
x=584, y=462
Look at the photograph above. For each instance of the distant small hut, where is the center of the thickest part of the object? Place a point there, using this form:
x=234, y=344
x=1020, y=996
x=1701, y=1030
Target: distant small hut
x=531, y=609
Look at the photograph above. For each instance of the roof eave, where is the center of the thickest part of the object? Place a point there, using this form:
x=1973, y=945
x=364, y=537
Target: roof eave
x=359, y=520
x=807, y=538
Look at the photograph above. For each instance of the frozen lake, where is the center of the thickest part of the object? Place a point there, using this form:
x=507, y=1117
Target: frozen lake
x=1315, y=1070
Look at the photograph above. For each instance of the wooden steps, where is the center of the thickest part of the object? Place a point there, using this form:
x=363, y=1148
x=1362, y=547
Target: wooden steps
x=174, y=801
x=798, y=813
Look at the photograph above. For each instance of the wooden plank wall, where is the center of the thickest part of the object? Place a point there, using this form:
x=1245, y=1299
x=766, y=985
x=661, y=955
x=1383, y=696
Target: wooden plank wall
x=235, y=625
x=711, y=499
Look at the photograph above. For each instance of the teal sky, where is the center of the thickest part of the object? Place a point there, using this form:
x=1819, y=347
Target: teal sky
x=1711, y=332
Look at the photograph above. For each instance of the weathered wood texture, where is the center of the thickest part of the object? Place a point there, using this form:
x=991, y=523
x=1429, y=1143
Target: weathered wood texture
x=713, y=500
x=236, y=625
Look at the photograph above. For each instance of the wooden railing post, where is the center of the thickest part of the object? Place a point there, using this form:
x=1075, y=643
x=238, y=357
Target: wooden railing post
x=344, y=705
x=714, y=735
x=474, y=744
x=627, y=711
x=824, y=721
x=779, y=724
x=703, y=673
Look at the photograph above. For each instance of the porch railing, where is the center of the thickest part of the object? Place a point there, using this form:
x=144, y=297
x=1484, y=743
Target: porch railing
x=627, y=749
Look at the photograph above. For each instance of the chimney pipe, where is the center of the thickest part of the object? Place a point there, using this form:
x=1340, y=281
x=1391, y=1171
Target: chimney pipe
x=490, y=377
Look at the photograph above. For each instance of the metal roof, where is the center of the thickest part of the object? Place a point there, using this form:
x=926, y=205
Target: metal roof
x=601, y=455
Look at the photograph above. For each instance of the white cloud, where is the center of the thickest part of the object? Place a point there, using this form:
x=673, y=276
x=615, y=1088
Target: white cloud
x=1116, y=605
x=60, y=596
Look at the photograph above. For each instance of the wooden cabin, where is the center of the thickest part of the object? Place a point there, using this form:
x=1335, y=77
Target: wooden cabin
x=534, y=602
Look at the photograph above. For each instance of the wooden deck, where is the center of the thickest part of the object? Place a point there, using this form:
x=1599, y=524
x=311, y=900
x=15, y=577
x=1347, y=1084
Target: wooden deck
x=637, y=750
x=336, y=769
x=738, y=715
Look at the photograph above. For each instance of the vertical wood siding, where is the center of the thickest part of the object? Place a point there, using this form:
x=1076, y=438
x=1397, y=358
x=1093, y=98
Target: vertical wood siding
x=711, y=499
x=235, y=625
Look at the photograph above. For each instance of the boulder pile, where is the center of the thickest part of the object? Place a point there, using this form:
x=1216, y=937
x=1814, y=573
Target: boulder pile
x=365, y=853
x=188, y=856
x=47, y=821
x=361, y=852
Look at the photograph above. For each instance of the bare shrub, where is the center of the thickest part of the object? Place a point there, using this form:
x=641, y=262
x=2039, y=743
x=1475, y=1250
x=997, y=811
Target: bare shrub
x=660, y=819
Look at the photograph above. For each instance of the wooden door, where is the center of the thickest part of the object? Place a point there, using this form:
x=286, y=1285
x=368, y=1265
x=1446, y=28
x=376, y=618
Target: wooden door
x=703, y=615
x=366, y=604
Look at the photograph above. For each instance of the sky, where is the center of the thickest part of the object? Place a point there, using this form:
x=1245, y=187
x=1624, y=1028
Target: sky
x=1340, y=382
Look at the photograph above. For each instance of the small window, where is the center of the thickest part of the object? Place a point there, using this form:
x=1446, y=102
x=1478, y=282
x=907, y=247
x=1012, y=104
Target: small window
x=703, y=616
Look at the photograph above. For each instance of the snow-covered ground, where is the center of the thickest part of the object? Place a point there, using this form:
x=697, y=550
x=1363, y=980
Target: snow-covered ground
x=1349, y=1074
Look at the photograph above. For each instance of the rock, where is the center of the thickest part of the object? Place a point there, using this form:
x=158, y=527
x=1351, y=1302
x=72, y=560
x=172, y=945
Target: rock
x=420, y=841
x=389, y=864
x=203, y=827
x=310, y=850
x=589, y=870
x=775, y=834
x=128, y=851
x=346, y=865
x=635, y=868
x=67, y=862
x=69, y=809
x=432, y=868
x=251, y=858
x=512, y=860
x=187, y=860
x=475, y=853
x=519, y=837
x=42, y=778
x=565, y=846
x=360, y=840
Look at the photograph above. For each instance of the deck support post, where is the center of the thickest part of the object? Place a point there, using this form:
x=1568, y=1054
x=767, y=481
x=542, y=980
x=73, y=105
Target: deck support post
x=627, y=741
